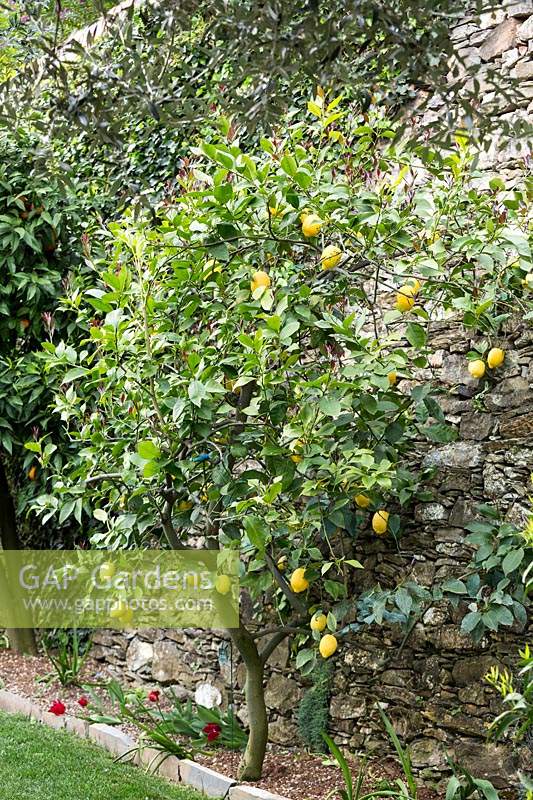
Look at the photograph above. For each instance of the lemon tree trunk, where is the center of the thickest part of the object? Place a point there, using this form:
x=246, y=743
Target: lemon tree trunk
x=251, y=764
x=22, y=640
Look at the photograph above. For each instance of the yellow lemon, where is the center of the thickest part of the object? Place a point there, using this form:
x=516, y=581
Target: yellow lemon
x=380, y=522
x=476, y=368
x=331, y=255
x=299, y=582
x=311, y=225
x=259, y=279
x=32, y=474
x=362, y=500
x=222, y=584
x=191, y=580
x=495, y=357
x=127, y=616
x=393, y=377
x=328, y=645
x=118, y=610
x=415, y=285
x=318, y=622
x=296, y=457
x=405, y=299
x=305, y=213
x=282, y=563
x=106, y=571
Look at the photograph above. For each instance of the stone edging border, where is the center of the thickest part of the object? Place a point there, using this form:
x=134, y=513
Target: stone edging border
x=206, y=780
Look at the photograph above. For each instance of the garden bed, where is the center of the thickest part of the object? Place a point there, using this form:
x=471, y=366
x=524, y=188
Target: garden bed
x=293, y=774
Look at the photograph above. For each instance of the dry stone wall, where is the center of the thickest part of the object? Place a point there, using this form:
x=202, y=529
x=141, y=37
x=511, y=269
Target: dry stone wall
x=433, y=686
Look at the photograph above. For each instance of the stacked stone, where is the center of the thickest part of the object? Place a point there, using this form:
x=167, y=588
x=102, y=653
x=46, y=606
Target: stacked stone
x=493, y=64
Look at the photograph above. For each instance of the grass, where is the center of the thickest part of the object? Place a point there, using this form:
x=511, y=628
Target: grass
x=38, y=763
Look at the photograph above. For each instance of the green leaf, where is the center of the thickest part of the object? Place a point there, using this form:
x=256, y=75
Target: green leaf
x=470, y=621
x=223, y=193
x=303, y=657
x=197, y=392
x=72, y=374
x=512, y=560
x=454, y=586
x=257, y=531
x=416, y=335
x=330, y=406
x=148, y=450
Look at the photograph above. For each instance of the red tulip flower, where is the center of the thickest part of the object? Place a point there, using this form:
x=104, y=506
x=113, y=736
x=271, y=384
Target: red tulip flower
x=153, y=697
x=57, y=708
x=83, y=702
x=212, y=731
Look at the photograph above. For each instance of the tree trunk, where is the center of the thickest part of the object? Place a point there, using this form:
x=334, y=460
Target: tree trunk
x=22, y=640
x=251, y=764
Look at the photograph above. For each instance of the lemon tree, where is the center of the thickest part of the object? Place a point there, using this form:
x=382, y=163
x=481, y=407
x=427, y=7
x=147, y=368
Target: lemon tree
x=247, y=378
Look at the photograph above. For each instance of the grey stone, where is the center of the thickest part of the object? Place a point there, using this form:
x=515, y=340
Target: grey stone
x=168, y=666
x=138, y=655
x=491, y=18
x=159, y=763
x=501, y=39
x=282, y=693
x=207, y=695
x=476, y=425
x=52, y=720
x=489, y=761
x=518, y=515
x=521, y=10
x=15, y=703
x=517, y=427
x=458, y=454
x=427, y=753
x=281, y=731
x=113, y=740
x=280, y=657
x=430, y=512
x=463, y=31
x=510, y=58
x=206, y=780
x=467, y=671
x=344, y=706
x=77, y=726
x=524, y=70
x=525, y=31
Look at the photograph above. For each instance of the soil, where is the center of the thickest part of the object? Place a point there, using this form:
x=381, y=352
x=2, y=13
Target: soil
x=292, y=774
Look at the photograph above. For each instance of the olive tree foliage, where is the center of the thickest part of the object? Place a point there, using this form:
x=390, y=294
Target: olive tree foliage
x=174, y=60
x=211, y=406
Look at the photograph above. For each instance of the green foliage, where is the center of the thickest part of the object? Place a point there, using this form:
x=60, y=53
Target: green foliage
x=172, y=64
x=162, y=721
x=67, y=657
x=403, y=754
x=313, y=712
x=190, y=719
x=463, y=785
x=517, y=717
x=493, y=587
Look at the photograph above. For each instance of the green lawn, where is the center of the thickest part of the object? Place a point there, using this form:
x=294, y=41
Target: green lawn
x=38, y=763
